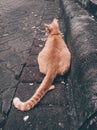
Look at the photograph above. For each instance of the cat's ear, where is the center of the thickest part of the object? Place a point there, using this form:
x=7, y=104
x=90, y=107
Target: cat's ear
x=47, y=27
x=55, y=21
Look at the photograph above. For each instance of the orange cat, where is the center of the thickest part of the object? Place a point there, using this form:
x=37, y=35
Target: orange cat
x=54, y=59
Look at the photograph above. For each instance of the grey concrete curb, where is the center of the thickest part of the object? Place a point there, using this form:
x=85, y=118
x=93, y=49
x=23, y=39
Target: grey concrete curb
x=82, y=41
x=90, y=5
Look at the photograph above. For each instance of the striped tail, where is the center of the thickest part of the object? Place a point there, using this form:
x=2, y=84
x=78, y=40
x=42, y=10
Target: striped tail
x=40, y=92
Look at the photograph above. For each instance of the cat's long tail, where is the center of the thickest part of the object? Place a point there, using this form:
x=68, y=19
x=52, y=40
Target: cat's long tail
x=40, y=92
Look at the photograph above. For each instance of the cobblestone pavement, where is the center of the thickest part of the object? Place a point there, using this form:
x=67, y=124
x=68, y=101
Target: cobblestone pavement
x=22, y=36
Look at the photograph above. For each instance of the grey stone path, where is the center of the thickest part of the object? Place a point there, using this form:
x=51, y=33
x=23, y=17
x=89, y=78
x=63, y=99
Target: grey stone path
x=22, y=37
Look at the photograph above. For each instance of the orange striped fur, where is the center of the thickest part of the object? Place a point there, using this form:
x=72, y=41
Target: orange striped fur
x=54, y=59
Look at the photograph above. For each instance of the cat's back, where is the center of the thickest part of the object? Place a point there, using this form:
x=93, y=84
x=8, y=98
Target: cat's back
x=59, y=43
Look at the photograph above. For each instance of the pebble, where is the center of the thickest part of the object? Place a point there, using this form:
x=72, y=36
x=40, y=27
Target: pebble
x=4, y=35
x=31, y=84
x=62, y=82
x=26, y=118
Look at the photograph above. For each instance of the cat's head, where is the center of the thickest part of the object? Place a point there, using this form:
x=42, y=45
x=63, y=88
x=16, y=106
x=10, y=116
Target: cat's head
x=52, y=28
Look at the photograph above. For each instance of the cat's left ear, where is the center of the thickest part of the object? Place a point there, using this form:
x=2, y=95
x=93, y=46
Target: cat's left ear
x=48, y=28
x=46, y=25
